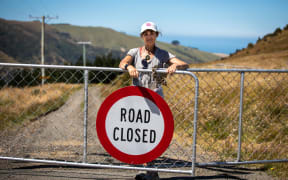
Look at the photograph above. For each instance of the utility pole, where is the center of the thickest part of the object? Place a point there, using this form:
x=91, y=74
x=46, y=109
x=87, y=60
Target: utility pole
x=42, y=43
x=42, y=50
x=84, y=50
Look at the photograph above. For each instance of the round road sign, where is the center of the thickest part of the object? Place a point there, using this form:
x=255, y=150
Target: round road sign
x=135, y=125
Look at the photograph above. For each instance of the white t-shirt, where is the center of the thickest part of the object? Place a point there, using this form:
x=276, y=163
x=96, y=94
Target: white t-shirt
x=161, y=57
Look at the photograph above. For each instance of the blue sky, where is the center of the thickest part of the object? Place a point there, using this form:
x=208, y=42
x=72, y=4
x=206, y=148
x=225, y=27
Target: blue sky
x=177, y=17
x=207, y=18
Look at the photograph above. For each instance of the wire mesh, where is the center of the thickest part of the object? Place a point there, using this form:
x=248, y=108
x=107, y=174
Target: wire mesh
x=264, y=118
x=50, y=123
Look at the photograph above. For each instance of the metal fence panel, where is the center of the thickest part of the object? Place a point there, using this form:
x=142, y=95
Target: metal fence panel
x=49, y=125
x=264, y=117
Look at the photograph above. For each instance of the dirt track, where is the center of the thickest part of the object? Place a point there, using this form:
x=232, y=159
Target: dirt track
x=59, y=135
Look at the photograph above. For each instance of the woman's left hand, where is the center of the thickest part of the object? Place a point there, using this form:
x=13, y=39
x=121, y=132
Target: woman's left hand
x=176, y=64
x=172, y=68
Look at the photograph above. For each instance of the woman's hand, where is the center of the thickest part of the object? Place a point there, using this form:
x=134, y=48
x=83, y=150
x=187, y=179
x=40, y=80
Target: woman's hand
x=176, y=64
x=133, y=71
x=171, y=69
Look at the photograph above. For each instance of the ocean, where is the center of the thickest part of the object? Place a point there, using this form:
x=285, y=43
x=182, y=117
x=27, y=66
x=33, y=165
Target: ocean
x=226, y=45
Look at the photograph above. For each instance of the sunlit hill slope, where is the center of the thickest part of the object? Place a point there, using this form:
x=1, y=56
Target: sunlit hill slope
x=269, y=52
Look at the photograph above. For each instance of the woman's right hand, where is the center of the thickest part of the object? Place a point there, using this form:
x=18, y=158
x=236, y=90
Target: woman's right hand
x=132, y=71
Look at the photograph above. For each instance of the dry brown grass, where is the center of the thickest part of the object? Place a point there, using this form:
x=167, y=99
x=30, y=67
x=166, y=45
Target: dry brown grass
x=265, y=115
x=275, y=42
x=22, y=104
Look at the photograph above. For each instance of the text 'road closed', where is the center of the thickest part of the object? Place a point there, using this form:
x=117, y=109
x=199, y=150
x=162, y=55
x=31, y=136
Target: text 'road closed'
x=137, y=134
x=134, y=128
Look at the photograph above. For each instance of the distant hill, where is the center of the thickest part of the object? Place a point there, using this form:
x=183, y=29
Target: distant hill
x=269, y=52
x=20, y=42
x=118, y=41
x=6, y=59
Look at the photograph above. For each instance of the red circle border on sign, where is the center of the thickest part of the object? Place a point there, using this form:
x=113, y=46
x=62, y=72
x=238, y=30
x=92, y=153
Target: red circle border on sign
x=158, y=101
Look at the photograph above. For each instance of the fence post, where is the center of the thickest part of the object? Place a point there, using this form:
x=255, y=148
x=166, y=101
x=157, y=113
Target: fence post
x=240, y=117
x=85, y=114
x=195, y=124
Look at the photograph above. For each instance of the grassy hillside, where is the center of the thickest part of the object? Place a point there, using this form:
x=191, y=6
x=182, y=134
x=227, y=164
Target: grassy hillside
x=13, y=34
x=21, y=41
x=269, y=52
x=110, y=39
x=100, y=36
x=270, y=43
x=6, y=59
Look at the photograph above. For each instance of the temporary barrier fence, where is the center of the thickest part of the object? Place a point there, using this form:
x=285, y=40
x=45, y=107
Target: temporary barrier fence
x=228, y=115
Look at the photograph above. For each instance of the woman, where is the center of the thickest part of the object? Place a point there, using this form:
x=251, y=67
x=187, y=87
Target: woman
x=149, y=56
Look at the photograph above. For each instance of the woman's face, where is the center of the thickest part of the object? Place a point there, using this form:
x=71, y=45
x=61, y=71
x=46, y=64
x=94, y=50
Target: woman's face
x=149, y=37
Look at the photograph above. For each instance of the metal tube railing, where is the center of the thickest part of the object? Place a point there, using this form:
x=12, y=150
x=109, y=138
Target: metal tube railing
x=194, y=149
x=85, y=114
x=141, y=70
x=240, y=117
x=67, y=163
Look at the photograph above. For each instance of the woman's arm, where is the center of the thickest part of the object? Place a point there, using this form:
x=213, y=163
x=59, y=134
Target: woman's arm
x=126, y=61
x=175, y=64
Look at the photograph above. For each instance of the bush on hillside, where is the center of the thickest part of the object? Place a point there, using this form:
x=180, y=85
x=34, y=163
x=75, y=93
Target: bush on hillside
x=277, y=31
x=250, y=45
x=175, y=42
x=265, y=38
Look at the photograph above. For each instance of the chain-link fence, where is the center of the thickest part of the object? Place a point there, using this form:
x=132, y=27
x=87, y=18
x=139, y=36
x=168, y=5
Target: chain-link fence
x=242, y=116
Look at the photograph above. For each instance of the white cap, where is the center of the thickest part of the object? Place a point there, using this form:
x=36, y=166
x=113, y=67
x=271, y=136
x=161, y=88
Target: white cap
x=149, y=25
